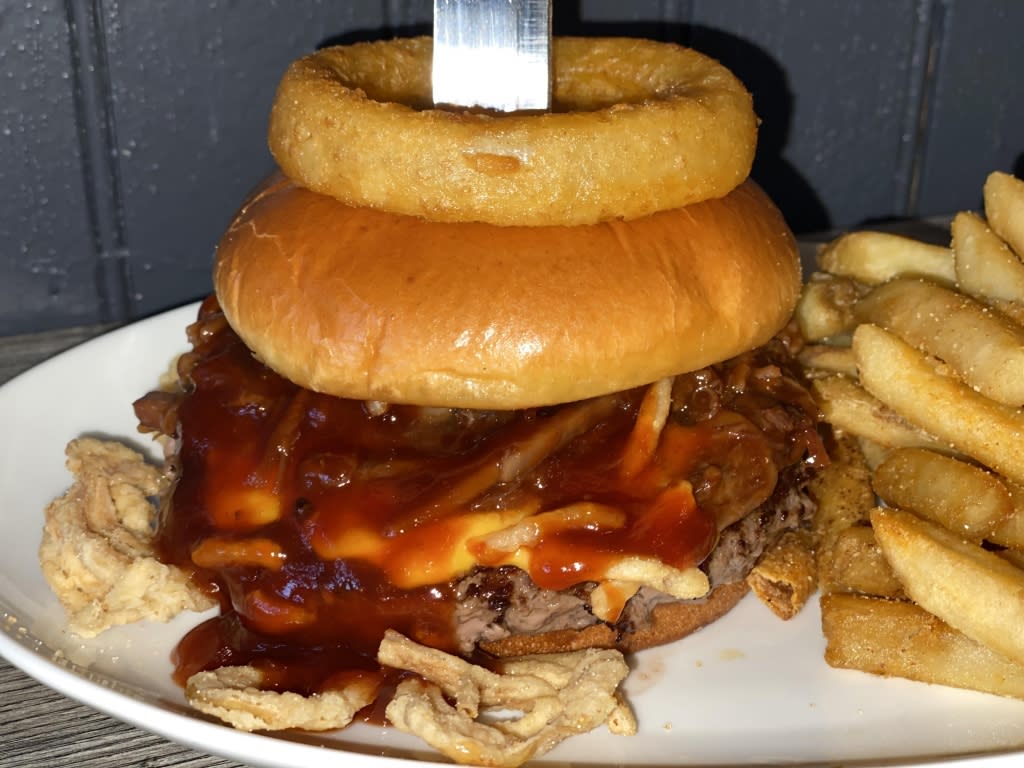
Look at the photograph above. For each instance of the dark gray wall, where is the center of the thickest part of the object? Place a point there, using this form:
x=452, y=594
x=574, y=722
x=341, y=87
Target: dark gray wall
x=129, y=131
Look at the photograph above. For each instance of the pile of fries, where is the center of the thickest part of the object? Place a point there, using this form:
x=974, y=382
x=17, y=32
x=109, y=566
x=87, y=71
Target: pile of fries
x=917, y=357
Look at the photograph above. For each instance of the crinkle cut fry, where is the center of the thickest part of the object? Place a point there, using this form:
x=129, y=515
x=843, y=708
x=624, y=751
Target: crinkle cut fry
x=97, y=549
x=559, y=695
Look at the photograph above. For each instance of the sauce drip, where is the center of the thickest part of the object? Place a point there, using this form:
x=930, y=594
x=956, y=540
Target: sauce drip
x=321, y=522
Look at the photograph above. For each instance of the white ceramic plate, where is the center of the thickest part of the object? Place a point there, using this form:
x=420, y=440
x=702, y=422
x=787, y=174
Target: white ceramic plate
x=749, y=689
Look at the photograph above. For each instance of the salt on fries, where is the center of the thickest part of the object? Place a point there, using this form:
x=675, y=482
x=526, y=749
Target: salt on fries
x=823, y=359
x=826, y=306
x=849, y=407
x=558, y=695
x=842, y=491
x=931, y=587
x=899, y=639
x=848, y=557
x=969, y=588
x=960, y=496
x=1004, y=208
x=872, y=258
x=909, y=383
x=986, y=268
x=1010, y=532
x=855, y=564
x=984, y=347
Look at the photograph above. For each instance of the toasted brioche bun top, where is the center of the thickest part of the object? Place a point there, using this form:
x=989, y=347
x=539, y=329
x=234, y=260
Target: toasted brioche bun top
x=364, y=304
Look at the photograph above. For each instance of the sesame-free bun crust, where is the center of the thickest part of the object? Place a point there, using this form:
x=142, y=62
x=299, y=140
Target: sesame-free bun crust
x=363, y=304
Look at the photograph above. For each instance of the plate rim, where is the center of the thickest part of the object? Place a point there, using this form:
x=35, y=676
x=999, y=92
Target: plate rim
x=198, y=732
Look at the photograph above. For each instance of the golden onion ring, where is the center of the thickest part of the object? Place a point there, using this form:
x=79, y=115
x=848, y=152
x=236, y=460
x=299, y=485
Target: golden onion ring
x=637, y=127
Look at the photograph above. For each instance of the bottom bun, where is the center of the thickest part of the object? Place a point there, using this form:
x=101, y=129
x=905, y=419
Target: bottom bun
x=669, y=621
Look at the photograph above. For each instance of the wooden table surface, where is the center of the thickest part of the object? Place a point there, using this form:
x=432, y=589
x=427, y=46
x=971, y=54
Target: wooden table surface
x=41, y=728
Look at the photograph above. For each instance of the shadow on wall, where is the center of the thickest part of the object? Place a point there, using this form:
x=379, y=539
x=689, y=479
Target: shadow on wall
x=763, y=76
x=773, y=102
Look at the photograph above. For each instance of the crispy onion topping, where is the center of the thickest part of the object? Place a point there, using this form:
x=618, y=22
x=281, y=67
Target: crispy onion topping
x=97, y=551
x=235, y=695
x=556, y=695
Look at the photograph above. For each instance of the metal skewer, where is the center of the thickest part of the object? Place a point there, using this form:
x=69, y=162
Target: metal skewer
x=493, y=54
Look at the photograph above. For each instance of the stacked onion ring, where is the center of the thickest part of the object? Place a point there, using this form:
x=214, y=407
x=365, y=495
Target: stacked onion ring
x=636, y=127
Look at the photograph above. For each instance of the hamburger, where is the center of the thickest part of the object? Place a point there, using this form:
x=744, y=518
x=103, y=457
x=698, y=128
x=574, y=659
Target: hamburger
x=492, y=439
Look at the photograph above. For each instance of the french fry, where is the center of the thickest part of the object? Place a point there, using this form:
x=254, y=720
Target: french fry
x=904, y=379
x=959, y=496
x=844, y=499
x=855, y=564
x=1004, y=208
x=899, y=639
x=849, y=407
x=824, y=359
x=971, y=589
x=874, y=453
x=842, y=491
x=873, y=258
x=985, y=348
x=844, y=448
x=933, y=399
x=785, y=576
x=825, y=306
x=1012, y=556
x=1010, y=533
x=986, y=268
x=1011, y=310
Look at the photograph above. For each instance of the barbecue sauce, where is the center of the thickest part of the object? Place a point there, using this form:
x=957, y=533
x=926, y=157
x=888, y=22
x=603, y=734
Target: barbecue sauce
x=320, y=522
